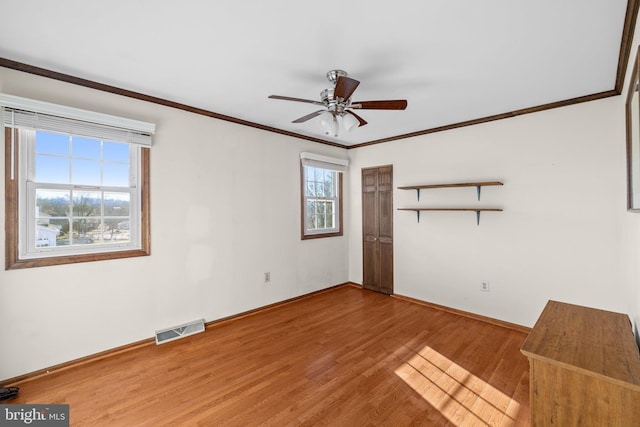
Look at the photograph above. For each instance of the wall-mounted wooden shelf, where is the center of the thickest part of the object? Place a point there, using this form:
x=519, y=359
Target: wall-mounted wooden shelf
x=478, y=186
x=476, y=210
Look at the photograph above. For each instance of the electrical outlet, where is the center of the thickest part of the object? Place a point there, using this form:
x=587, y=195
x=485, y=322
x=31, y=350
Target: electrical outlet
x=267, y=277
x=484, y=286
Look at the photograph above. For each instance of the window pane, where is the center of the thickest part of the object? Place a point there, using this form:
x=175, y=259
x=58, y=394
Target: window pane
x=63, y=225
x=310, y=189
x=52, y=207
x=328, y=190
x=116, y=204
x=116, y=231
x=115, y=152
x=52, y=143
x=310, y=173
x=46, y=236
x=52, y=203
x=320, y=206
x=326, y=213
x=87, y=203
x=86, y=231
x=53, y=170
x=85, y=172
x=50, y=231
x=328, y=179
x=310, y=215
x=85, y=148
x=115, y=175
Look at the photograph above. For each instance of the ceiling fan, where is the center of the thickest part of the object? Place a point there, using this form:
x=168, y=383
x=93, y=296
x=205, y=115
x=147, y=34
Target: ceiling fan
x=338, y=105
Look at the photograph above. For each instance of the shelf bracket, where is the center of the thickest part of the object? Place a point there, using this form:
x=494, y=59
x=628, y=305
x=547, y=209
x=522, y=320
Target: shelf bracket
x=418, y=193
x=418, y=212
x=478, y=214
x=478, y=187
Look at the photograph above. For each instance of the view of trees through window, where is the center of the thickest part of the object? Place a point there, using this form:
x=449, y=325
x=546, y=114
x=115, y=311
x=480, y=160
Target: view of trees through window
x=81, y=191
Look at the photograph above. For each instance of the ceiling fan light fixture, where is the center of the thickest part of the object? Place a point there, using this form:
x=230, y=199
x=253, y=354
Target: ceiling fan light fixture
x=349, y=122
x=329, y=124
x=333, y=123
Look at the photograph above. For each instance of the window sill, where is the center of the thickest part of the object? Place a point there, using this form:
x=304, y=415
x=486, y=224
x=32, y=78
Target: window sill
x=59, y=260
x=321, y=235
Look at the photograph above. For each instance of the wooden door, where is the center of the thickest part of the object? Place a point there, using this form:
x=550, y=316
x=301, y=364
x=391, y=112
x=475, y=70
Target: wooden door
x=377, y=229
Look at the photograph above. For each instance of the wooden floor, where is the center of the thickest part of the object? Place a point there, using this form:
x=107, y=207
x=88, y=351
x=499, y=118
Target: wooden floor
x=345, y=357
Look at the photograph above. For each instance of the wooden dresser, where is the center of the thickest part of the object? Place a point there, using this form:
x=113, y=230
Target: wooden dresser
x=585, y=368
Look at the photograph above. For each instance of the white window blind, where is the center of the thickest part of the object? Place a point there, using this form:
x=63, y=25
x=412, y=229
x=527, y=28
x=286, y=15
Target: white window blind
x=324, y=162
x=37, y=115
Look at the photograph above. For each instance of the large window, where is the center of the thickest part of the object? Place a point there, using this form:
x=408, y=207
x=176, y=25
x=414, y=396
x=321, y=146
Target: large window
x=321, y=196
x=76, y=191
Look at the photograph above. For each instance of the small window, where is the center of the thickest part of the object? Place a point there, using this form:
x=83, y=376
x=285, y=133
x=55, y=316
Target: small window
x=321, y=196
x=73, y=196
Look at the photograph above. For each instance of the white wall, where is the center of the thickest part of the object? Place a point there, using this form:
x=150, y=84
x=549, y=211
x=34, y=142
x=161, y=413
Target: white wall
x=559, y=236
x=225, y=208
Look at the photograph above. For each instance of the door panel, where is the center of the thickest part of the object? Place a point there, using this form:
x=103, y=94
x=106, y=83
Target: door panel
x=385, y=209
x=369, y=219
x=369, y=255
x=386, y=268
x=369, y=229
x=377, y=229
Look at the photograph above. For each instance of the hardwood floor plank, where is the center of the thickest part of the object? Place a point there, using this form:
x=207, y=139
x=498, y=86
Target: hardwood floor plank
x=342, y=357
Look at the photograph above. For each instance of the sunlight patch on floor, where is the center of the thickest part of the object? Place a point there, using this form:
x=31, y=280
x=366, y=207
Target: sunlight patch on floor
x=460, y=396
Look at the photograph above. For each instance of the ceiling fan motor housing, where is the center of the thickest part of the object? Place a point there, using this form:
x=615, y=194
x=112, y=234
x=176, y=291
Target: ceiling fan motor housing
x=336, y=106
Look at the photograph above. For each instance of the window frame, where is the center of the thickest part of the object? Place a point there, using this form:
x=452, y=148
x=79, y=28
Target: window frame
x=12, y=217
x=305, y=235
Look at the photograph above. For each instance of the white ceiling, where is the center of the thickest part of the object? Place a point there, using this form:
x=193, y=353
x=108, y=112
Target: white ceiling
x=453, y=60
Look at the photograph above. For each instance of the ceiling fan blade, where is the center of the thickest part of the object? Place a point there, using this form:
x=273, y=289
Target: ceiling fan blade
x=391, y=104
x=288, y=98
x=360, y=119
x=308, y=116
x=345, y=86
